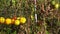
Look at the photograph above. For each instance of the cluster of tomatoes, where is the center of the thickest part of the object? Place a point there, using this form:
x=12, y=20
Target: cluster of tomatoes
x=56, y=4
x=15, y=21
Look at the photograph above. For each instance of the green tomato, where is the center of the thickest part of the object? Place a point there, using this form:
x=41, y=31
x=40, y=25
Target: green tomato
x=13, y=1
x=53, y=2
x=32, y=17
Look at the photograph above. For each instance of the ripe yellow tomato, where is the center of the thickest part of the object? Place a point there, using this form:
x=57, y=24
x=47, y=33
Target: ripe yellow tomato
x=2, y=19
x=8, y=21
x=17, y=22
x=57, y=5
x=22, y=19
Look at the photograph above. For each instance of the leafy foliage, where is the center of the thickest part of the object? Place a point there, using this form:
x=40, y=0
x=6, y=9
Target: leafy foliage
x=48, y=16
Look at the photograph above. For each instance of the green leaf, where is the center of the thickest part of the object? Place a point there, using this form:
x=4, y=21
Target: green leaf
x=8, y=30
x=47, y=32
x=14, y=32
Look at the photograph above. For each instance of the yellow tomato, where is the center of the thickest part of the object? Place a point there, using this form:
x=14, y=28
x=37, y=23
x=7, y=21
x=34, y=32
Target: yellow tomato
x=2, y=19
x=22, y=19
x=8, y=21
x=17, y=22
x=56, y=5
